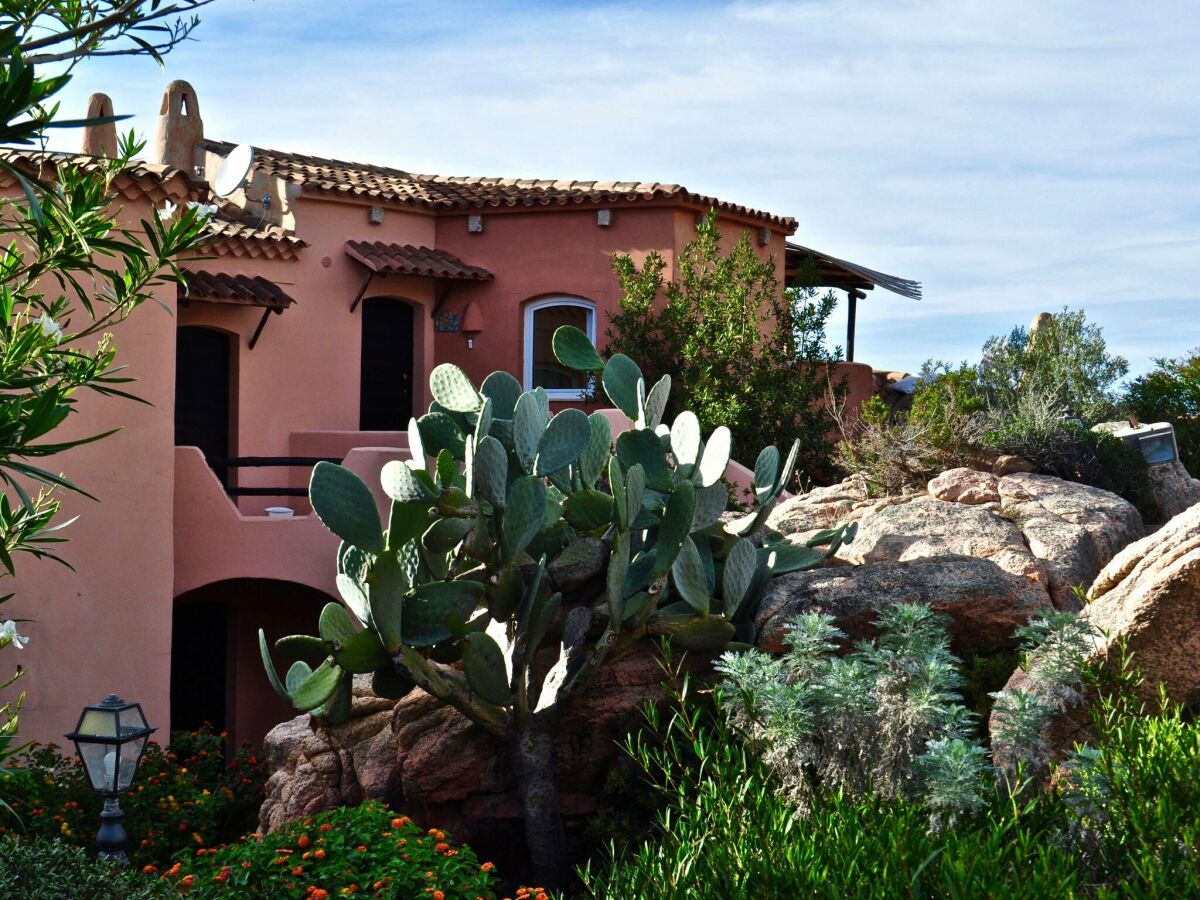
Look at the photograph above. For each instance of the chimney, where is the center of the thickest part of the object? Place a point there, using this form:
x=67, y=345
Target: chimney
x=100, y=140
x=180, y=128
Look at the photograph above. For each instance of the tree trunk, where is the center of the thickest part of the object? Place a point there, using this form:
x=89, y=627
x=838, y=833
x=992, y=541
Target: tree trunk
x=532, y=754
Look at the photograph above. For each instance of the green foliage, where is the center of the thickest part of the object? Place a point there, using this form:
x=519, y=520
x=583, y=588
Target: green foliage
x=1033, y=397
x=859, y=723
x=1171, y=393
x=1065, y=361
x=185, y=797
x=743, y=352
x=1134, y=797
x=1071, y=451
x=364, y=850
x=43, y=868
x=460, y=572
x=727, y=829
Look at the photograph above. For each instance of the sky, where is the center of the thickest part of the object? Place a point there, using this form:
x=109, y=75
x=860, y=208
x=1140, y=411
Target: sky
x=1013, y=156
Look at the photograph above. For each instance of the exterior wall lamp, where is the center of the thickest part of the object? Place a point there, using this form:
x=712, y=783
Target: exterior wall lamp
x=111, y=739
x=472, y=324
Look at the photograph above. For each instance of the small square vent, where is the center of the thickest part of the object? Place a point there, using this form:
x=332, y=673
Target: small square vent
x=475, y=224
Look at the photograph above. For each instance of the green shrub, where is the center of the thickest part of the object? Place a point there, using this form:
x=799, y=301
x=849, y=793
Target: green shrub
x=42, y=868
x=1065, y=361
x=1171, y=393
x=728, y=830
x=744, y=351
x=1072, y=451
x=359, y=849
x=185, y=796
x=948, y=409
x=1134, y=800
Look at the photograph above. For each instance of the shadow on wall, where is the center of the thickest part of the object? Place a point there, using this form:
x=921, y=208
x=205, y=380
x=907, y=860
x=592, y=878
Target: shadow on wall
x=216, y=671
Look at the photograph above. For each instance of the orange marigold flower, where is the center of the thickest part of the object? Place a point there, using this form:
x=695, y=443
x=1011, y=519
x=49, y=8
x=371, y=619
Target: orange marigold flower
x=223, y=875
x=325, y=826
x=361, y=848
x=438, y=895
x=319, y=854
x=320, y=894
x=308, y=822
x=299, y=870
x=149, y=869
x=188, y=879
x=174, y=870
x=303, y=841
x=442, y=847
x=488, y=866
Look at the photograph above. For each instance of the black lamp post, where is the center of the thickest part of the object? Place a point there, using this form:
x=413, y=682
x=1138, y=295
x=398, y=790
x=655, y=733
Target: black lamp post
x=111, y=738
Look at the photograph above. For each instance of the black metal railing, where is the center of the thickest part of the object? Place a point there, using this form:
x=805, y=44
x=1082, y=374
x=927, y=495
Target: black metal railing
x=262, y=462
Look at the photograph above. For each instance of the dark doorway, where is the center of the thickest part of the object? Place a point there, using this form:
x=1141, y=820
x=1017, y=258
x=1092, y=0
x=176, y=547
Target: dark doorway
x=217, y=671
x=199, y=640
x=202, y=382
x=387, y=352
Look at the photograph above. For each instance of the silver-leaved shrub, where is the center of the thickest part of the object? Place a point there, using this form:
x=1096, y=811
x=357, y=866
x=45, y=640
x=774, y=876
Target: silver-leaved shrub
x=888, y=718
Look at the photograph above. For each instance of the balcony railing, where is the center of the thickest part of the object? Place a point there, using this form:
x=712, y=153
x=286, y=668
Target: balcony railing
x=248, y=462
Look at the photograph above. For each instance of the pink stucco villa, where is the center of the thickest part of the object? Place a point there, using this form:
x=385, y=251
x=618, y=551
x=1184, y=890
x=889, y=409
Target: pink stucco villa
x=327, y=293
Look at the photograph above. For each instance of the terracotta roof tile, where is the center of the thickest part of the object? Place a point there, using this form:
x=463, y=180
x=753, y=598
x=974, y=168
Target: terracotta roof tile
x=468, y=192
x=138, y=178
x=227, y=236
x=240, y=290
x=407, y=259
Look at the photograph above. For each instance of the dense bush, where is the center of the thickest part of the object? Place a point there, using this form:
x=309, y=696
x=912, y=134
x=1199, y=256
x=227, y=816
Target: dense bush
x=1171, y=393
x=43, y=868
x=1120, y=821
x=1134, y=799
x=1064, y=360
x=743, y=351
x=729, y=830
x=185, y=796
x=350, y=850
x=1032, y=395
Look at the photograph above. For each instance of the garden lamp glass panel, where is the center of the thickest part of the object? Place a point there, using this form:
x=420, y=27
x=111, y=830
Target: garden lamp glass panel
x=111, y=738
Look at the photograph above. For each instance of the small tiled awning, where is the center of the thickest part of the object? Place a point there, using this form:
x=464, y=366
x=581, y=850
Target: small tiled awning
x=238, y=290
x=407, y=259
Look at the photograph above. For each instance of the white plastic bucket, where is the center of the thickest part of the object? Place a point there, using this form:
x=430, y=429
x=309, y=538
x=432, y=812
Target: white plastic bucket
x=280, y=512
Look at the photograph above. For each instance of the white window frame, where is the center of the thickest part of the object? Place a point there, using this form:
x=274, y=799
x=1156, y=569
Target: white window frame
x=530, y=309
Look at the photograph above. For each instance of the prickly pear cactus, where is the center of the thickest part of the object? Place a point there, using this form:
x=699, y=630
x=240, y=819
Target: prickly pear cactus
x=496, y=489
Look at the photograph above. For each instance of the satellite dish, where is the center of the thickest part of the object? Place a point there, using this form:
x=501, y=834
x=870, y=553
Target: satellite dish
x=234, y=170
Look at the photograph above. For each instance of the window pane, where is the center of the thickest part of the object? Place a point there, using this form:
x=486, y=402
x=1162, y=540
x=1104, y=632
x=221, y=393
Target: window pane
x=548, y=372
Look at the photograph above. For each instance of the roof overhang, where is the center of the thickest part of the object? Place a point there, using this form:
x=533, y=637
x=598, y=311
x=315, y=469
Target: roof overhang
x=847, y=276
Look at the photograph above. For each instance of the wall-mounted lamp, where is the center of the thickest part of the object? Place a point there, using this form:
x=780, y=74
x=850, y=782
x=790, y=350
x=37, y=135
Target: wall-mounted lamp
x=472, y=324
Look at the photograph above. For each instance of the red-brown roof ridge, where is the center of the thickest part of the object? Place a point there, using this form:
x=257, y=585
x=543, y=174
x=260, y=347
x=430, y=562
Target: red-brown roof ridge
x=325, y=175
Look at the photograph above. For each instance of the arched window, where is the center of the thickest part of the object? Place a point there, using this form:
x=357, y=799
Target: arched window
x=542, y=319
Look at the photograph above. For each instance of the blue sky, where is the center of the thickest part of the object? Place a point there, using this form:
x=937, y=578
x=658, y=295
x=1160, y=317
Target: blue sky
x=1014, y=157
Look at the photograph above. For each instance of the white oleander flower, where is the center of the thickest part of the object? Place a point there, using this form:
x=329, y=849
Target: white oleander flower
x=8, y=635
x=50, y=328
x=203, y=210
x=167, y=211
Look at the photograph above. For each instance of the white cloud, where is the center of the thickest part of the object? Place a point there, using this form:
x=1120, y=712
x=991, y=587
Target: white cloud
x=1012, y=156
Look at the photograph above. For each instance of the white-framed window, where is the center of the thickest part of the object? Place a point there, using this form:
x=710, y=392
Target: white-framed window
x=542, y=319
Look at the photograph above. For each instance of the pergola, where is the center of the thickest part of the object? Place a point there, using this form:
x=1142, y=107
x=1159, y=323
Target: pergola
x=855, y=280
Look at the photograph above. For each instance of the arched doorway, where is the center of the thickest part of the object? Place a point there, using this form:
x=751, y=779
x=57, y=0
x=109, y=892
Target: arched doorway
x=203, y=384
x=386, y=386
x=216, y=668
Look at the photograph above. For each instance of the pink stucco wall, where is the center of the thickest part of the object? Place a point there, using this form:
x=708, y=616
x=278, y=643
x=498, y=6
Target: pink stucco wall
x=106, y=626
x=164, y=528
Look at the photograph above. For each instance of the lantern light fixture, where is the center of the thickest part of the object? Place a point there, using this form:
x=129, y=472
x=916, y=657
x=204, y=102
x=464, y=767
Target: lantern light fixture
x=111, y=739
